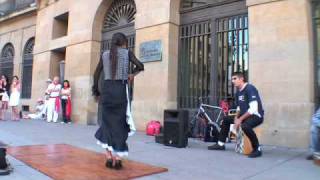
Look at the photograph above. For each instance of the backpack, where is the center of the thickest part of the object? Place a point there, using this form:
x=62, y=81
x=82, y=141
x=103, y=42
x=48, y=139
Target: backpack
x=153, y=128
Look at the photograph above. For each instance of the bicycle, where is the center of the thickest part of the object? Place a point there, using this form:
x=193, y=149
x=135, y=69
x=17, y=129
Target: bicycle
x=213, y=115
x=207, y=119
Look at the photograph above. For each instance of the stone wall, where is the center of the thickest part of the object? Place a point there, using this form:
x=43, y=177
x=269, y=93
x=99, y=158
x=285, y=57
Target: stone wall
x=281, y=66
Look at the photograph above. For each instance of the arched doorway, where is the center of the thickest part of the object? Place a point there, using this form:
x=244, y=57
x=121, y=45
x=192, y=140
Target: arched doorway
x=27, y=63
x=120, y=17
x=6, y=60
x=213, y=43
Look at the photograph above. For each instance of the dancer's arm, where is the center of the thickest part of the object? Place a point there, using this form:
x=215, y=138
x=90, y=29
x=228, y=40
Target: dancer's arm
x=138, y=65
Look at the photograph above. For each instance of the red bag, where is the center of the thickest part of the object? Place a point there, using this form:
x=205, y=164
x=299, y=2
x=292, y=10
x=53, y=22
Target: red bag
x=153, y=128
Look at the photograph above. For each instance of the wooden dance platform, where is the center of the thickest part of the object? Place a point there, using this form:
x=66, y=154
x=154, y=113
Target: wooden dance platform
x=66, y=162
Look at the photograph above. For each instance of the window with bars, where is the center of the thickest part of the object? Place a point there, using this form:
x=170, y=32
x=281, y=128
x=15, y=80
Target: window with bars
x=121, y=14
x=27, y=63
x=194, y=64
x=233, y=46
x=6, y=60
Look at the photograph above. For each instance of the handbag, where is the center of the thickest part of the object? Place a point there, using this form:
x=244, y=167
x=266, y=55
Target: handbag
x=153, y=128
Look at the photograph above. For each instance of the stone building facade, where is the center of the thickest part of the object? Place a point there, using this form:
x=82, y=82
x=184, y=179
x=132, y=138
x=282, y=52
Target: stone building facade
x=202, y=42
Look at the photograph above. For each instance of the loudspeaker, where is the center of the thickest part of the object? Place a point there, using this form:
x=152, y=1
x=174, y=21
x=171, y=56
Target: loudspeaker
x=176, y=128
x=159, y=138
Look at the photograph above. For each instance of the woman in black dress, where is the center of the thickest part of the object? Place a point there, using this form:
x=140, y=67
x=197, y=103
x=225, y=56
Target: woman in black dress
x=113, y=98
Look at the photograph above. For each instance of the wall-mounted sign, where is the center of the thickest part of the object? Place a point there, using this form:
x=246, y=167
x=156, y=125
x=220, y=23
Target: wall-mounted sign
x=150, y=51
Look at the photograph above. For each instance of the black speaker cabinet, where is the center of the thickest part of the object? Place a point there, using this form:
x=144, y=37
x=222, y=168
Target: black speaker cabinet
x=176, y=128
x=159, y=138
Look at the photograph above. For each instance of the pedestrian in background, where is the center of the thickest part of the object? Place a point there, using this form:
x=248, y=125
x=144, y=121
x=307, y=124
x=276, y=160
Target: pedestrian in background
x=14, y=100
x=53, y=106
x=65, y=95
x=315, y=135
x=5, y=96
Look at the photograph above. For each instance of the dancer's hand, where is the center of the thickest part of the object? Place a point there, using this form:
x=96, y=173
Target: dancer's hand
x=130, y=78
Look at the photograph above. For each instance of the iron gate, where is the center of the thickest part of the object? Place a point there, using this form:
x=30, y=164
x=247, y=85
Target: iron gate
x=233, y=47
x=194, y=64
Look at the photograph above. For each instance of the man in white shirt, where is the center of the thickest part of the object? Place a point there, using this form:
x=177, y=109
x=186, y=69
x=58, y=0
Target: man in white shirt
x=53, y=105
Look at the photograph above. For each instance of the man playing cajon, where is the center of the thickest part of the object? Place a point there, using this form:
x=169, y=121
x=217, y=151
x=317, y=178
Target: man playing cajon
x=249, y=115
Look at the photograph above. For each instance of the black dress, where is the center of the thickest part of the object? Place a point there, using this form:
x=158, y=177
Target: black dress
x=112, y=111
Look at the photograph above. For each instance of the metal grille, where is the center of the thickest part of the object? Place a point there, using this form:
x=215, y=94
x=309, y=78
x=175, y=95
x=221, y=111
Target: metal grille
x=232, y=37
x=27, y=69
x=6, y=60
x=121, y=13
x=194, y=64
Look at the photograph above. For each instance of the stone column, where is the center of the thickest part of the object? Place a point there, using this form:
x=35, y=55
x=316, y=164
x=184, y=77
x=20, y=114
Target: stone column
x=82, y=49
x=156, y=88
x=281, y=67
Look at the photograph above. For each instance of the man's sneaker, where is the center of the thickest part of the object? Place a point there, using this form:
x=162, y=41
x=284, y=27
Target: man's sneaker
x=255, y=153
x=216, y=147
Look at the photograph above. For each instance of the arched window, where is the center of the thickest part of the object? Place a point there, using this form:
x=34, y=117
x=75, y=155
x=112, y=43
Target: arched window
x=120, y=14
x=120, y=17
x=6, y=60
x=27, y=69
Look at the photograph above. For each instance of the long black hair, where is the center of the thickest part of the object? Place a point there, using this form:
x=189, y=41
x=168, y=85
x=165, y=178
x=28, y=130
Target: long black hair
x=118, y=39
x=6, y=77
x=66, y=81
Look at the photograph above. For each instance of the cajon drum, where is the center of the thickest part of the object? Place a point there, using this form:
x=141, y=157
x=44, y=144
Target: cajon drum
x=243, y=144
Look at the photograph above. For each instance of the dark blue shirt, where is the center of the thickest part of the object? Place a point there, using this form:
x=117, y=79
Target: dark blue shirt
x=247, y=95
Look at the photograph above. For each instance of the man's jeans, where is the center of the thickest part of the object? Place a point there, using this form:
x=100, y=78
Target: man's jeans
x=315, y=132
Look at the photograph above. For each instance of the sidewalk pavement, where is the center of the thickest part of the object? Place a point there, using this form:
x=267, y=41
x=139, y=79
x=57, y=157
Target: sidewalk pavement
x=192, y=163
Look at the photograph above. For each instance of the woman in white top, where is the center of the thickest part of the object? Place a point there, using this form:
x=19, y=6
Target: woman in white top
x=65, y=95
x=5, y=95
x=15, y=98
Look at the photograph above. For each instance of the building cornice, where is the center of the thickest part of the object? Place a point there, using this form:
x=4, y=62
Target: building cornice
x=257, y=2
x=18, y=13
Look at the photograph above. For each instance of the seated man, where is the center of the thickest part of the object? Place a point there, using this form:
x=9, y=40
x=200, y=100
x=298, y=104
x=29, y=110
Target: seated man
x=39, y=111
x=249, y=115
x=5, y=167
x=315, y=135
